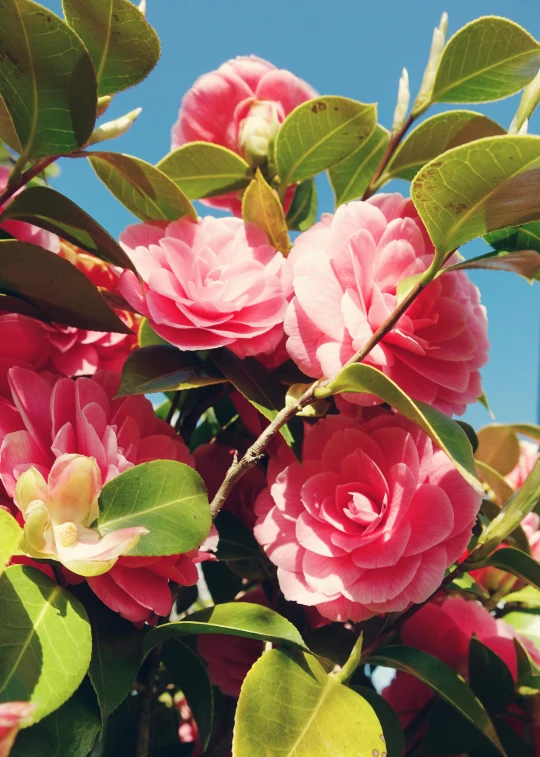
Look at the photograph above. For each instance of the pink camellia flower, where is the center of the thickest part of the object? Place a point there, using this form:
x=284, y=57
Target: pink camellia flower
x=369, y=522
x=240, y=106
x=345, y=275
x=212, y=462
x=58, y=514
x=23, y=343
x=12, y=716
x=51, y=419
x=444, y=629
x=26, y=232
x=527, y=460
x=214, y=283
x=229, y=658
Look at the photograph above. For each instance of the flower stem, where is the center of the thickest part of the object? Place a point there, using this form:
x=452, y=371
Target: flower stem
x=145, y=712
x=390, y=150
x=21, y=181
x=347, y=671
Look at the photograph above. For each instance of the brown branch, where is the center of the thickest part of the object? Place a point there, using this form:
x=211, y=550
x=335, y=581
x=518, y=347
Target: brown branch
x=145, y=711
x=392, y=145
x=254, y=453
x=38, y=167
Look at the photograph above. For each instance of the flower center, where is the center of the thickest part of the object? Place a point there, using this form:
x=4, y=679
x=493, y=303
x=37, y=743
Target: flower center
x=66, y=534
x=257, y=131
x=362, y=509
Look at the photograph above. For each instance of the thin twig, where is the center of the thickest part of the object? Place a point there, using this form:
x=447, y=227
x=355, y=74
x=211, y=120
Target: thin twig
x=392, y=145
x=145, y=712
x=38, y=167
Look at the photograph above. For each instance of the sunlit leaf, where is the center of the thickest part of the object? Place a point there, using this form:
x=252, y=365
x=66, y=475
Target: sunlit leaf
x=123, y=46
x=351, y=177
x=517, y=563
x=261, y=206
x=525, y=263
x=498, y=447
x=10, y=538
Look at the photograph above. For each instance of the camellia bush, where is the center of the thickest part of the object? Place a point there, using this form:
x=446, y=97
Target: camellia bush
x=232, y=483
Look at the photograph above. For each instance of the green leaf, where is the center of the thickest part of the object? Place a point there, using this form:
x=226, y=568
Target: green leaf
x=351, y=177
x=143, y=189
x=45, y=660
x=244, y=619
x=167, y=498
x=164, y=368
x=435, y=136
x=525, y=263
x=517, y=563
x=444, y=682
x=48, y=209
x=516, y=508
x=498, y=447
x=10, y=538
x=261, y=206
x=55, y=287
x=500, y=486
x=47, y=80
x=202, y=169
x=528, y=596
x=147, y=335
x=123, y=46
x=446, y=433
x=525, y=237
x=68, y=732
x=528, y=625
x=477, y=188
x=320, y=133
x=116, y=655
x=189, y=674
x=391, y=727
x=7, y=130
x=289, y=704
x=466, y=583
x=488, y=59
x=489, y=677
x=303, y=211
x=260, y=388
x=236, y=540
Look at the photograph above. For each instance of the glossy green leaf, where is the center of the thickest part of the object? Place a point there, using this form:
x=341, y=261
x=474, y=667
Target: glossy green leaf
x=525, y=263
x=525, y=237
x=387, y=716
x=8, y=135
x=189, y=674
x=123, y=46
x=54, y=286
x=259, y=387
x=446, y=433
x=68, y=732
x=435, y=136
x=498, y=447
x=351, y=177
x=466, y=583
x=261, y=206
x=444, y=682
x=48, y=209
x=47, y=80
x=528, y=596
x=164, y=368
x=517, y=563
x=147, y=335
x=244, y=619
x=116, y=654
x=497, y=483
x=236, y=540
x=489, y=677
x=202, y=169
x=10, y=538
x=477, y=188
x=320, y=133
x=488, y=59
x=144, y=190
x=166, y=497
x=522, y=502
x=46, y=659
x=289, y=702
x=528, y=625
x=303, y=210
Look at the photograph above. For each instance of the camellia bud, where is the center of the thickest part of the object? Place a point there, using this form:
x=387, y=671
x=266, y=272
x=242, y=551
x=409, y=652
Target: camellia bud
x=113, y=129
x=257, y=131
x=423, y=98
x=102, y=104
x=528, y=104
x=402, y=105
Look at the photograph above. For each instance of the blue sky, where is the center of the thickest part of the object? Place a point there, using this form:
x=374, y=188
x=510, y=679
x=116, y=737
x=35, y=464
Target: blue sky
x=345, y=47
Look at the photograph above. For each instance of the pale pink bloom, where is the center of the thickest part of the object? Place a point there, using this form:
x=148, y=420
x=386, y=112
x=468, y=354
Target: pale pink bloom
x=58, y=513
x=23, y=343
x=240, y=106
x=12, y=716
x=26, y=232
x=370, y=520
x=345, y=273
x=229, y=658
x=214, y=283
x=444, y=629
x=527, y=460
x=212, y=462
x=51, y=418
